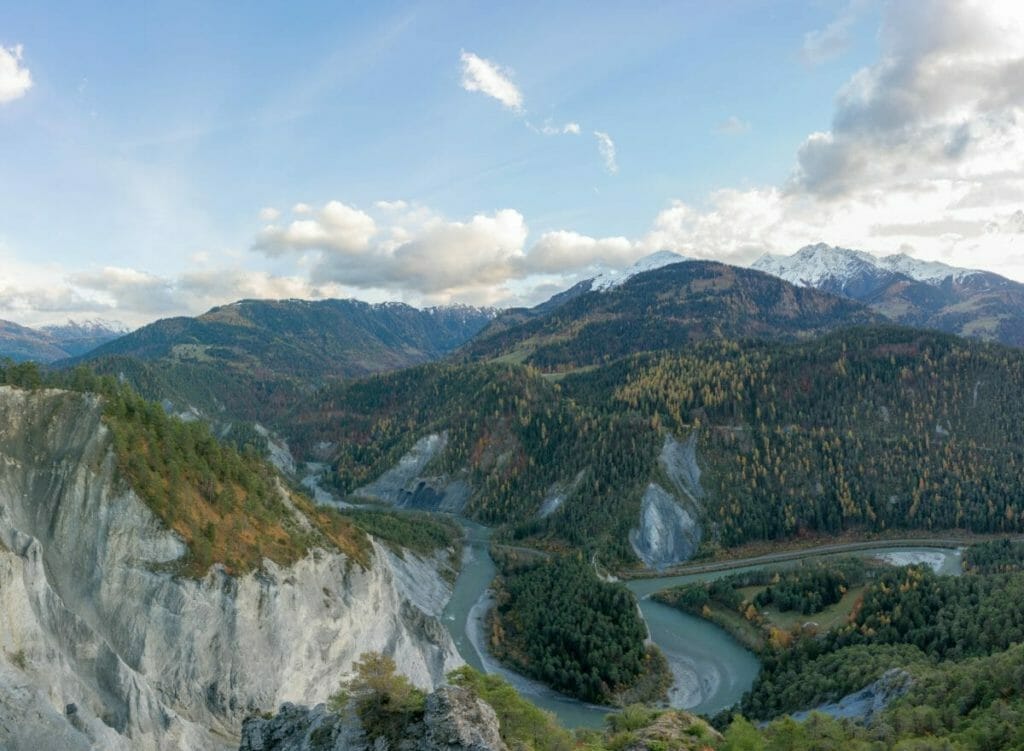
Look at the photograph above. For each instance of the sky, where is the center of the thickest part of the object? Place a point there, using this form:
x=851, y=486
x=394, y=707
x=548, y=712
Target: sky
x=158, y=159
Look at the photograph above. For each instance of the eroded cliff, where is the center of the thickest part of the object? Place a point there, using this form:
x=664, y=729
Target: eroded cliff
x=103, y=646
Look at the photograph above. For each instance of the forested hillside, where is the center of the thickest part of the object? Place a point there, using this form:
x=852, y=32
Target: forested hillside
x=667, y=308
x=248, y=359
x=877, y=428
x=863, y=429
x=229, y=506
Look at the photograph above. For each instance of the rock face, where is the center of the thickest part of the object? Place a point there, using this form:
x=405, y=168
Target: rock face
x=865, y=704
x=667, y=533
x=454, y=720
x=405, y=485
x=101, y=647
x=670, y=530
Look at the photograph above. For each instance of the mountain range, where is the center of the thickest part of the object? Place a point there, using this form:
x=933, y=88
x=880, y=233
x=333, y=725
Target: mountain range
x=245, y=358
x=925, y=294
x=666, y=307
x=56, y=342
x=678, y=409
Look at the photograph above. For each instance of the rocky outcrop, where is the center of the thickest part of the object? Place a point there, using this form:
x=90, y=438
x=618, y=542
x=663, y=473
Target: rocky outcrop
x=670, y=531
x=298, y=728
x=102, y=647
x=667, y=533
x=679, y=731
x=864, y=705
x=406, y=486
x=454, y=720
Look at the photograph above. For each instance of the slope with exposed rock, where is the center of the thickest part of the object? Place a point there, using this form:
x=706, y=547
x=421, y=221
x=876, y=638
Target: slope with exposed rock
x=105, y=644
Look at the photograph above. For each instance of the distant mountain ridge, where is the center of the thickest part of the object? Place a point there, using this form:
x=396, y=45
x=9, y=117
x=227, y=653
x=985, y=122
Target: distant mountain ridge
x=666, y=307
x=240, y=357
x=967, y=302
x=55, y=342
x=302, y=337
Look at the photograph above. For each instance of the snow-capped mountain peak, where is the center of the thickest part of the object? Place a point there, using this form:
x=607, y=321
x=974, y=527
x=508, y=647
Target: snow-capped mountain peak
x=828, y=267
x=816, y=265
x=612, y=278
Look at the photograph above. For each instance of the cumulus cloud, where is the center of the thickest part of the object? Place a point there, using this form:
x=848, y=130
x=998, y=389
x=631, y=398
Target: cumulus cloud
x=564, y=251
x=15, y=78
x=423, y=253
x=269, y=214
x=479, y=74
x=336, y=227
x=120, y=287
x=606, y=148
x=925, y=153
x=419, y=255
x=942, y=103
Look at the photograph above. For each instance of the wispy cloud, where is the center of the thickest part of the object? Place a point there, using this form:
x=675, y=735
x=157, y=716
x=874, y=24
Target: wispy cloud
x=487, y=77
x=566, y=129
x=479, y=74
x=733, y=126
x=606, y=147
x=822, y=45
x=15, y=78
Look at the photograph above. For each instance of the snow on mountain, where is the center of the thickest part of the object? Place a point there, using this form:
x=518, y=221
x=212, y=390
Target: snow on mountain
x=817, y=265
x=612, y=278
x=932, y=272
x=834, y=268
x=86, y=329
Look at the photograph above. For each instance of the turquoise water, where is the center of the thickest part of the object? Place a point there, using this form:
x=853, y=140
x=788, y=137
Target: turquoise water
x=711, y=669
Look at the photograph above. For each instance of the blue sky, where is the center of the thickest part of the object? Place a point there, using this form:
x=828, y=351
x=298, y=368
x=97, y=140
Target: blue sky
x=155, y=163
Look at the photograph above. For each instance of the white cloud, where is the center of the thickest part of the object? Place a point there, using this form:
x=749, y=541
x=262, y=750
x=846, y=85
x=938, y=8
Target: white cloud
x=733, y=126
x=391, y=206
x=119, y=287
x=15, y=78
x=944, y=102
x=925, y=154
x=491, y=79
x=566, y=129
x=606, y=147
x=425, y=254
x=336, y=227
x=269, y=214
x=563, y=251
x=418, y=255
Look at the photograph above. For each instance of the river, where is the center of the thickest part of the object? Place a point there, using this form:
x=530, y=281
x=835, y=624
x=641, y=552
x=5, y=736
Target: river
x=711, y=669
